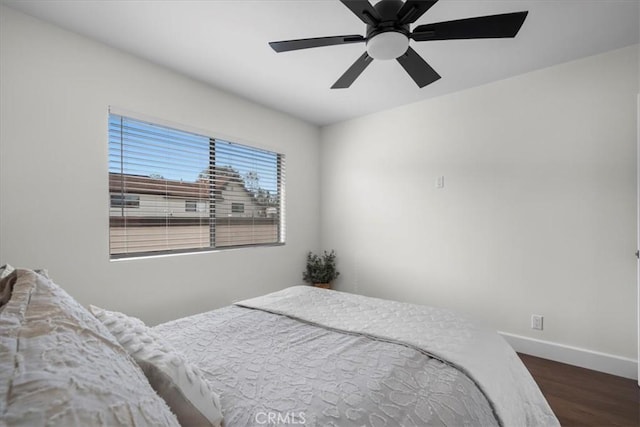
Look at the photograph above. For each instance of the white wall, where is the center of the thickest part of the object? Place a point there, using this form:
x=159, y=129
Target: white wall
x=538, y=212
x=56, y=88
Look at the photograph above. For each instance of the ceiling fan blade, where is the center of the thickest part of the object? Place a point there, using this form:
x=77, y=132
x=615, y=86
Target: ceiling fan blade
x=363, y=10
x=353, y=72
x=417, y=68
x=412, y=10
x=481, y=27
x=287, y=45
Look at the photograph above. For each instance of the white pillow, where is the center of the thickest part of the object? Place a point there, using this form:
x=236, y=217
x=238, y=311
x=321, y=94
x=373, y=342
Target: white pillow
x=179, y=383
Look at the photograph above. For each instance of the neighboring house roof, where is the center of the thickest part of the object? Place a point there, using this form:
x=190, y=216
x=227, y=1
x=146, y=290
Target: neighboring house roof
x=159, y=186
x=141, y=184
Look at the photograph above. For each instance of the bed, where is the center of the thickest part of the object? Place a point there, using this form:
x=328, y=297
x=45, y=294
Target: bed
x=299, y=356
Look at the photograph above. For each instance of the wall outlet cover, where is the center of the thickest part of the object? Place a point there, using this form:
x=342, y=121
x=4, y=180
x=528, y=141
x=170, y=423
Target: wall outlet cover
x=536, y=321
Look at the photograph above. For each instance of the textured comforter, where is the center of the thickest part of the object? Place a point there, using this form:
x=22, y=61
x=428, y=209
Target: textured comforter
x=325, y=358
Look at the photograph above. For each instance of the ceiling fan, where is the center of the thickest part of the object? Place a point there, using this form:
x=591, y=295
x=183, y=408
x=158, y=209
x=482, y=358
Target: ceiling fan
x=388, y=36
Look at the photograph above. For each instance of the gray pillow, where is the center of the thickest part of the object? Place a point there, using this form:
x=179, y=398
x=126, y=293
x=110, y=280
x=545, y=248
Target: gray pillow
x=59, y=365
x=5, y=270
x=7, y=280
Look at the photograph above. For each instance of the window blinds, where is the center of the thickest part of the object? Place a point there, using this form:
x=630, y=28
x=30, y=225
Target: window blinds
x=177, y=191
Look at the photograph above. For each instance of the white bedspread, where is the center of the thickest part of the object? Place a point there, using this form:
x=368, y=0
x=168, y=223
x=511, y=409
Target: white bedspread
x=481, y=353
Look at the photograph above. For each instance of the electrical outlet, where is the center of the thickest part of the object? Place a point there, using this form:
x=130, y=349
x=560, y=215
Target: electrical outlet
x=536, y=321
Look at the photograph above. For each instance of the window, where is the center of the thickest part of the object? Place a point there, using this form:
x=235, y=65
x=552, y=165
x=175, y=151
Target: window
x=238, y=208
x=125, y=201
x=190, y=192
x=191, y=206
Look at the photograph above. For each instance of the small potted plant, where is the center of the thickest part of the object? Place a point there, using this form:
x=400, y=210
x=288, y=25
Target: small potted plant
x=321, y=269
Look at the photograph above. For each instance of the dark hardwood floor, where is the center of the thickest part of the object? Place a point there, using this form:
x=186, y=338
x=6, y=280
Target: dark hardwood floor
x=581, y=397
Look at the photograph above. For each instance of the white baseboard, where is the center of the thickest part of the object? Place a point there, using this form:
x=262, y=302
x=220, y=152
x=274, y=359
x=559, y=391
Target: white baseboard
x=603, y=362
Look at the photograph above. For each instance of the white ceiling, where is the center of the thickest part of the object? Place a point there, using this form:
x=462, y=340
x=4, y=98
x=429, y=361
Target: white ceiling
x=224, y=43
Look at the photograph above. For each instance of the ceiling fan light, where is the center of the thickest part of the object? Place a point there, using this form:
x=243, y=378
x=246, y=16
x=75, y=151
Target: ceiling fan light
x=387, y=45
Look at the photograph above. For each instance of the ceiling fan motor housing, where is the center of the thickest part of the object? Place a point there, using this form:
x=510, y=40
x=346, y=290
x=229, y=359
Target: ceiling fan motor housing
x=387, y=39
